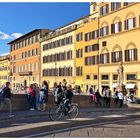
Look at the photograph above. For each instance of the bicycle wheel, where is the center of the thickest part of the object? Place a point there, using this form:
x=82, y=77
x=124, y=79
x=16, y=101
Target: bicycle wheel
x=74, y=111
x=55, y=113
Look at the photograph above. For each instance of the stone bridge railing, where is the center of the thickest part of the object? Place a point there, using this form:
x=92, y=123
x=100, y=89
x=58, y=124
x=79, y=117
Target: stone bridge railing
x=20, y=102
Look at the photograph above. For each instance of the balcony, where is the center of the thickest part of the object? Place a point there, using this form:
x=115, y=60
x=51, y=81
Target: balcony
x=29, y=73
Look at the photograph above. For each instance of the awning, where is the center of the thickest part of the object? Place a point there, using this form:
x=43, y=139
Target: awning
x=130, y=86
x=114, y=85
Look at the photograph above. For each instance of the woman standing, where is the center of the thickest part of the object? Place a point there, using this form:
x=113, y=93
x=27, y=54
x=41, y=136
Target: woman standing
x=44, y=93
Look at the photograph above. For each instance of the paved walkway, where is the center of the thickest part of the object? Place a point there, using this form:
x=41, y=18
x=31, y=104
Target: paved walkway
x=28, y=113
x=126, y=129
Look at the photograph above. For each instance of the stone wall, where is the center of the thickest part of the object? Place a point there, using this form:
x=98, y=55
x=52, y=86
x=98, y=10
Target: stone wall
x=20, y=102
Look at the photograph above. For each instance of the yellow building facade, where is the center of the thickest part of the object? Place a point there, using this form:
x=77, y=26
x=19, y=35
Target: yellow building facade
x=119, y=41
x=58, y=56
x=4, y=69
x=87, y=54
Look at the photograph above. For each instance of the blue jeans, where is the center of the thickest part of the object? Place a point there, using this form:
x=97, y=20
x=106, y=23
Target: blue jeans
x=32, y=101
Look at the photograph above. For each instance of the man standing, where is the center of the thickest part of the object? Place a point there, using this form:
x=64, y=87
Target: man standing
x=6, y=91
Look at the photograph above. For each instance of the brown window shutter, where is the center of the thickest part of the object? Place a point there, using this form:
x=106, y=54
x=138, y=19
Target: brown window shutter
x=93, y=35
x=101, y=13
x=135, y=54
x=97, y=33
x=112, y=28
x=107, y=57
x=120, y=26
x=120, y=56
x=125, y=25
x=107, y=30
x=134, y=22
x=85, y=37
x=101, y=58
x=101, y=31
x=107, y=8
x=126, y=57
x=112, y=54
x=90, y=35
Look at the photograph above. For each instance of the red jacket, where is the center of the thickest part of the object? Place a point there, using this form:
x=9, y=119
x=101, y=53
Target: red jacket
x=31, y=91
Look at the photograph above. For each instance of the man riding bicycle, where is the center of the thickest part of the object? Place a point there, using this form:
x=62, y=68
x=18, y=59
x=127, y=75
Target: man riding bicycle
x=65, y=96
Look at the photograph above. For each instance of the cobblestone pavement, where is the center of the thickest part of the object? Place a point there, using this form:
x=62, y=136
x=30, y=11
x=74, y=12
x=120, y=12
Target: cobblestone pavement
x=125, y=129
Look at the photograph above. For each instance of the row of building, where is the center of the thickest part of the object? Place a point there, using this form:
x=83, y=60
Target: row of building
x=85, y=52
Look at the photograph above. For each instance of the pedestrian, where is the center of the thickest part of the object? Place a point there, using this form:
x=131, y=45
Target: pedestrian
x=108, y=97
x=55, y=90
x=104, y=97
x=92, y=94
x=37, y=96
x=44, y=90
x=6, y=95
x=121, y=98
x=98, y=97
x=116, y=97
x=31, y=97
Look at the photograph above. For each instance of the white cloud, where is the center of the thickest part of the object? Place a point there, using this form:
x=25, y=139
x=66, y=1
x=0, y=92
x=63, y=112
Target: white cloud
x=5, y=36
x=16, y=35
x=4, y=54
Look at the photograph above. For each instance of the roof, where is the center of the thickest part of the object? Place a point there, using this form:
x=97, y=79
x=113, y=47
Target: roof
x=72, y=22
x=33, y=31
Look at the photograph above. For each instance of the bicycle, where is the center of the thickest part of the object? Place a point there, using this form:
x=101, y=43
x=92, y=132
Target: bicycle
x=57, y=111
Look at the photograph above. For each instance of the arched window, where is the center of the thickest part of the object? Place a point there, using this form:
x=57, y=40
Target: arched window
x=131, y=52
x=116, y=55
x=130, y=21
x=104, y=56
x=104, y=30
x=131, y=55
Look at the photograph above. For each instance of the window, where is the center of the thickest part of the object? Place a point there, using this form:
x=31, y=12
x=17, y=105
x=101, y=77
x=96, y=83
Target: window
x=130, y=23
x=95, y=47
x=116, y=56
x=87, y=48
x=94, y=7
x=95, y=77
x=36, y=67
x=79, y=37
x=104, y=58
x=95, y=34
x=79, y=71
x=115, y=77
x=131, y=55
x=88, y=36
x=79, y=53
x=127, y=3
x=104, y=31
x=33, y=67
x=115, y=28
x=105, y=77
x=103, y=43
x=131, y=77
x=88, y=77
x=87, y=61
x=104, y=10
x=115, y=6
x=95, y=60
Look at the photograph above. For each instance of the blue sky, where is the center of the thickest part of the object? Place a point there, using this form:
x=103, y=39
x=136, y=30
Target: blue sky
x=19, y=18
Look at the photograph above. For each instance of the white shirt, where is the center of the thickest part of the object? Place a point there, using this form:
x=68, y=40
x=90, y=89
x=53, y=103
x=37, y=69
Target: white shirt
x=120, y=95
